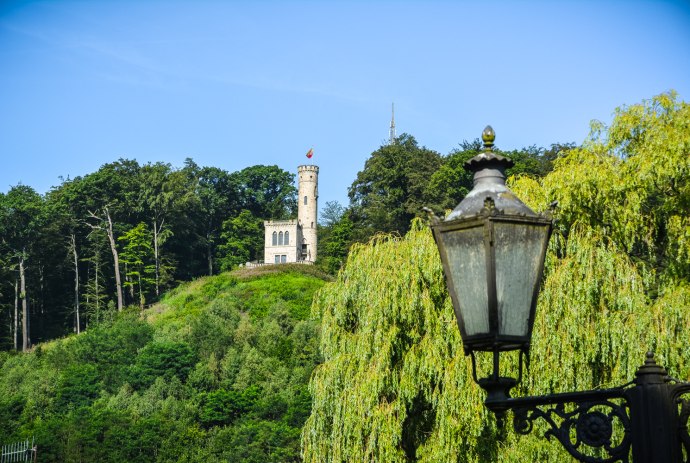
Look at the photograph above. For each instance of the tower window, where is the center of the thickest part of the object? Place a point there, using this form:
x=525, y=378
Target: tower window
x=280, y=239
x=275, y=239
x=305, y=200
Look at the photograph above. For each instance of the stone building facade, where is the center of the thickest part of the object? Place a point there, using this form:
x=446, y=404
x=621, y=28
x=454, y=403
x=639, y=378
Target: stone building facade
x=295, y=240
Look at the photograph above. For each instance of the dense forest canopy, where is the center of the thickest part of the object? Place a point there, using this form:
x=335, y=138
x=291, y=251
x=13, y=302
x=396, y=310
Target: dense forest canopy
x=122, y=236
x=395, y=385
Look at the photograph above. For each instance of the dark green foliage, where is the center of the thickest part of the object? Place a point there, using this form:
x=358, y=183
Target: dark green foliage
x=221, y=407
x=163, y=359
x=267, y=192
x=334, y=243
x=79, y=386
x=11, y=407
x=258, y=441
x=113, y=347
x=213, y=330
x=243, y=240
x=388, y=193
x=299, y=407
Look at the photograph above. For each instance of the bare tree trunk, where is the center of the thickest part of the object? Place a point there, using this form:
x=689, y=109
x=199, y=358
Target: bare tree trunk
x=41, y=279
x=113, y=248
x=209, y=254
x=87, y=296
x=116, y=260
x=141, y=295
x=25, y=306
x=156, y=230
x=129, y=283
x=73, y=245
x=16, y=314
x=11, y=322
x=97, y=289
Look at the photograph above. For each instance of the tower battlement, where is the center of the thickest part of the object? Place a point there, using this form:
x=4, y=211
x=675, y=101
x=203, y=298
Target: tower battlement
x=308, y=168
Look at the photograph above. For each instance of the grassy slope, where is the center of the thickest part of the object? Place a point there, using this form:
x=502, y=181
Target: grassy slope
x=216, y=371
x=254, y=291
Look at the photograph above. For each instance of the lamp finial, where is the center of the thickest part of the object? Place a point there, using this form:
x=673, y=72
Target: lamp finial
x=488, y=137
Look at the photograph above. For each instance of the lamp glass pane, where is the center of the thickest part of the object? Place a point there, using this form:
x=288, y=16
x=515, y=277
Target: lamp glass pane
x=518, y=251
x=466, y=258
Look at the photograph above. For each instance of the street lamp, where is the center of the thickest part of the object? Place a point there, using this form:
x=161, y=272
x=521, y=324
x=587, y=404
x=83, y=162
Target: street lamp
x=492, y=248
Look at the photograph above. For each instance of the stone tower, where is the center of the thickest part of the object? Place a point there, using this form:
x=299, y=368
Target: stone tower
x=307, y=207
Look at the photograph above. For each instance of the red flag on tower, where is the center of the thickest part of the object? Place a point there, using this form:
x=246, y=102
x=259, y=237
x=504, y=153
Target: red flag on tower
x=310, y=153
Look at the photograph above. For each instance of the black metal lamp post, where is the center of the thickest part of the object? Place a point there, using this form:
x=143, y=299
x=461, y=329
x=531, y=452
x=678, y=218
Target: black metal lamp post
x=493, y=248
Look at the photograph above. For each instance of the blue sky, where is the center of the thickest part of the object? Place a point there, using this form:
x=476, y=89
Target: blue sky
x=237, y=83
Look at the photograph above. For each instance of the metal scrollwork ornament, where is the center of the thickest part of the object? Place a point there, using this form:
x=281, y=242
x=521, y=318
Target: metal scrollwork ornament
x=583, y=428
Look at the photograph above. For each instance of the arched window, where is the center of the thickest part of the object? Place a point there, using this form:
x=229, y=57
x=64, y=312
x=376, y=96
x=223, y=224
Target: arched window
x=287, y=238
x=275, y=238
x=280, y=239
x=305, y=200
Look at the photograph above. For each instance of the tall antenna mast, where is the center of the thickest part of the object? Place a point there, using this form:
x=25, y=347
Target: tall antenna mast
x=392, y=129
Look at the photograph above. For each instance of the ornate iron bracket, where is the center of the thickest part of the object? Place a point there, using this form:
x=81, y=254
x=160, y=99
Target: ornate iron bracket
x=587, y=425
x=647, y=420
x=593, y=426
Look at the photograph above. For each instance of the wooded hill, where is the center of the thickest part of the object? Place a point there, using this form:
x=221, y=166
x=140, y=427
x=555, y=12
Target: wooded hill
x=126, y=233
x=217, y=371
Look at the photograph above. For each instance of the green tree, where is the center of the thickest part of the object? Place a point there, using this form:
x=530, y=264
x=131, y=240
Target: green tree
x=79, y=385
x=216, y=194
x=223, y=407
x=94, y=296
x=138, y=256
x=268, y=192
x=242, y=240
x=112, y=345
x=451, y=182
x=629, y=181
x=389, y=192
x=164, y=193
x=331, y=213
x=335, y=243
x=164, y=359
x=66, y=216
